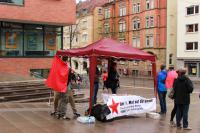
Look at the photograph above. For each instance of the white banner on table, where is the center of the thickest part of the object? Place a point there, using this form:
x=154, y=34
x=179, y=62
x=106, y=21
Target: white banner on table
x=126, y=105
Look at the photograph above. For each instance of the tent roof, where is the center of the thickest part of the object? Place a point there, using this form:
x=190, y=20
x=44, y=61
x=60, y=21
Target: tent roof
x=108, y=48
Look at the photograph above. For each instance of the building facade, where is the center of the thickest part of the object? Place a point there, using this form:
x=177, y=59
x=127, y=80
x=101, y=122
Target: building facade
x=188, y=36
x=171, y=33
x=86, y=30
x=139, y=23
x=31, y=31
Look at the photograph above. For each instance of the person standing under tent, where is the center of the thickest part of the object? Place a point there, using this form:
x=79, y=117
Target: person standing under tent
x=96, y=86
x=104, y=78
x=113, y=78
x=162, y=91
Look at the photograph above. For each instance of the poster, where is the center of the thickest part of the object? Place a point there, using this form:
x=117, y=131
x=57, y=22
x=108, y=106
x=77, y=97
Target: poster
x=32, y=41
x=11, y=40
x=127, y=105
x=50, y=40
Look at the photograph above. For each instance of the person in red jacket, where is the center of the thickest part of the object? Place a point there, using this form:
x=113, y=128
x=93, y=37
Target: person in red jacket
x=104, y=78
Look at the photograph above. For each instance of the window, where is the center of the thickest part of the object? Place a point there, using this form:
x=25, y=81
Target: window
x=149, y=22
x=149, y=41
x=107, y=13
x=136, y=8
x=84, y=24
x=149, y=4
x=76, y=64
x=136, y=42
x=122, y=11
x=36, y=40
x=191, y=46
x=84, y=38
x=192, y=68
x=193, y=10
x=100, y=11
x=136, y=24
x=122, y=26
x=106, y=28
x=170, y=58
x=192, y=28
x=16, y=2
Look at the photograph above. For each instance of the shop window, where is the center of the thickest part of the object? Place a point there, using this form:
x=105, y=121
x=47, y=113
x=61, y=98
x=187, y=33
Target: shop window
x=52, y=40
x=192, y=68
x=29, y=40
x=11, y=40
x=15, y=2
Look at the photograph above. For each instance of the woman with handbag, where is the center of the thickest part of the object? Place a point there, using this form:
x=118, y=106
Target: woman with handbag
x=171, y=76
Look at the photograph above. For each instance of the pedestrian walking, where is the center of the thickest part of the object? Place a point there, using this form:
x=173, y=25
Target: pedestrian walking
x=183, y=87
x=162, y=91
x=171, y=76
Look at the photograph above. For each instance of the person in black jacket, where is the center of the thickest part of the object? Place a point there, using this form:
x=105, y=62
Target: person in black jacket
x=183, y=87
x=113, y=78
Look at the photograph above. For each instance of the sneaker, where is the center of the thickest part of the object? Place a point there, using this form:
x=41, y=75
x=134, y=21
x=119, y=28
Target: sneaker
x=187, y=128
x=172, y=124
x=65, y=118
x=76, y=115
x=53, y=113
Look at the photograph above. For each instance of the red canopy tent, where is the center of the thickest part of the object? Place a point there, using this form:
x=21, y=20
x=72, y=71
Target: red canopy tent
x=107, y=48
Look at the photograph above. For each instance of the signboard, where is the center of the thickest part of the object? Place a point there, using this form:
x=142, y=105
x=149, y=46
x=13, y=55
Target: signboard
x=126, y=105
x=50, y=40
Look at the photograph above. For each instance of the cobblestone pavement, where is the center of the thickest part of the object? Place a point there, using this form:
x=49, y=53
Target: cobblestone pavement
x=35, y=118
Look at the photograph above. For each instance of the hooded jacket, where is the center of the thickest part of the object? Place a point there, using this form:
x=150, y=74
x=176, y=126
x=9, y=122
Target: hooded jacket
x=183, y=87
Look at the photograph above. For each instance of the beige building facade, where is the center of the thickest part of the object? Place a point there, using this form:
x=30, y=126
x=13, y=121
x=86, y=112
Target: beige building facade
x=86, y=31
x=171, y=47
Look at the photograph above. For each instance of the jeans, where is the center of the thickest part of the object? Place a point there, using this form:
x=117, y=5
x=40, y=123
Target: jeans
x=173, y=113
x=182, y=112
x=96, y=88
x=162, y=98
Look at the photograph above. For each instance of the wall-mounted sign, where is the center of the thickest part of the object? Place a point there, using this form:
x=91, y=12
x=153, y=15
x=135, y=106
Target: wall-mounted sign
x=11, y=40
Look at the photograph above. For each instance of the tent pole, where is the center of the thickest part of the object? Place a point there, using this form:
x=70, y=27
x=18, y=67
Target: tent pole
x=154, y=78
x=92, y=73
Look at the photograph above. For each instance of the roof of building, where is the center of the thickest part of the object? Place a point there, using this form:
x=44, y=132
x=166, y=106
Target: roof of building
x=89, y=5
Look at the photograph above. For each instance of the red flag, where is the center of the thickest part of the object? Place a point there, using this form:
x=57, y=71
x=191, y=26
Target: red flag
x=58, y=76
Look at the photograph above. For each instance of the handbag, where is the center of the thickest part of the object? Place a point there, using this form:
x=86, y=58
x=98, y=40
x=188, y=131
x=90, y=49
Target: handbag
x=171, y=93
